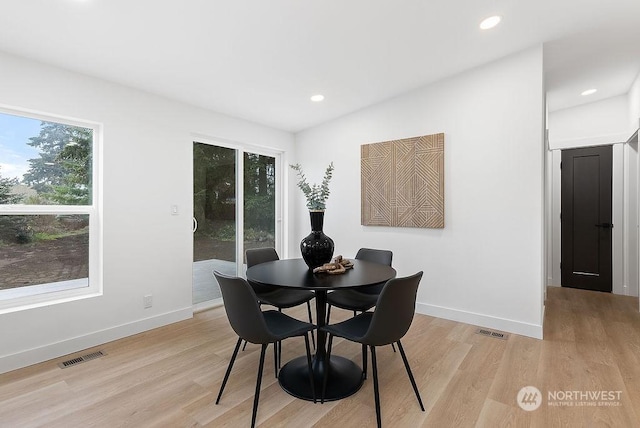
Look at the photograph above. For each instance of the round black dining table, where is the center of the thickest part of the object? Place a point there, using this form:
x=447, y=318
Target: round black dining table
x=344, y=376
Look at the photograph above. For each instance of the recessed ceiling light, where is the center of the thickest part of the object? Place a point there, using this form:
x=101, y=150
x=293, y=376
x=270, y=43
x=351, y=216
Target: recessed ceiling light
x=589, y=92
x=317, y=98
x=490, y=22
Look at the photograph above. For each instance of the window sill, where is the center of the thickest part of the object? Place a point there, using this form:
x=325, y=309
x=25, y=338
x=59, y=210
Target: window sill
x=23, y=298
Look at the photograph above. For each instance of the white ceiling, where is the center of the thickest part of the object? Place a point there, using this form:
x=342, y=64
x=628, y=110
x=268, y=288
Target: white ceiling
x=262, y=59
x=605, y=58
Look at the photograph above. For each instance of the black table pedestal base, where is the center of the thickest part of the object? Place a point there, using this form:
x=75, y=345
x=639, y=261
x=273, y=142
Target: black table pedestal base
x=345, y=378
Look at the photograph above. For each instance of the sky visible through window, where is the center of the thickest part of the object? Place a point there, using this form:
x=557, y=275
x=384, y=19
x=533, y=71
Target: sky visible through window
x=15, y=153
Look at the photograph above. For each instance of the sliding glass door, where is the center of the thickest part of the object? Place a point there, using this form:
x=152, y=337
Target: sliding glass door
x=259, y=198
x=234, y=207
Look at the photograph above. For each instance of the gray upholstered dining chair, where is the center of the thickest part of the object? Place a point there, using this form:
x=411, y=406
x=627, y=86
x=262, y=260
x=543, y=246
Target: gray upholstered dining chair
x=255, y=326
x=387, y=324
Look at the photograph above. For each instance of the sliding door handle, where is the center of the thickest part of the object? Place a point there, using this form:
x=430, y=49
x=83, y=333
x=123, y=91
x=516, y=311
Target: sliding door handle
x=605, y=225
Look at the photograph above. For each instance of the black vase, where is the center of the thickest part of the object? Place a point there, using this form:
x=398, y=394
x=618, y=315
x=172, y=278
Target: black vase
x=317, y=248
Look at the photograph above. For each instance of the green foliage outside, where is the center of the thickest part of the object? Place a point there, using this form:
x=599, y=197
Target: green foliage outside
x=12, y=229
x=61, y=175
x=6, y=185
x=62, y=172
x=214, y=194
x=213, y=185
x=259, y=194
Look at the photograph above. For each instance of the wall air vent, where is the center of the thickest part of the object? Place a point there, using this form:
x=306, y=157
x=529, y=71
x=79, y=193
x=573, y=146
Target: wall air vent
x=490, y=333
x=82, y=359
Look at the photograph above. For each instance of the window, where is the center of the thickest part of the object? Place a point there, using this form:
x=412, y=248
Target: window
x=48, y=211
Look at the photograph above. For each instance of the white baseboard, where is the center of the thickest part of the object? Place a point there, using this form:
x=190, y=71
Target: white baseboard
x=510, y=326
x=69, y=346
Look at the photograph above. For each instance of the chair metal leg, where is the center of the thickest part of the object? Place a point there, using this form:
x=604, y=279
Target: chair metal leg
x=313, y=385
x=275, y=358
x=326, y=369
x=376, y=390
x=355, y=313
x=413, y=381
x=311, y=321
x=393, y=347
x=229, y=367
x=279, y=349
x=364, y=361
x=329, y=345
x=328, y=313
x=258, y=382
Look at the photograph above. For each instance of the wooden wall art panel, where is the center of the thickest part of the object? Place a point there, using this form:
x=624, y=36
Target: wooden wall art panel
x=403, y=182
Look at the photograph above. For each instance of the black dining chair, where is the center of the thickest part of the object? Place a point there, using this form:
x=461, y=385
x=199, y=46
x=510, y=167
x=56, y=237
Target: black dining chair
x=363, y=298
x=281, y=298
x=387, y=324
x=255, y=326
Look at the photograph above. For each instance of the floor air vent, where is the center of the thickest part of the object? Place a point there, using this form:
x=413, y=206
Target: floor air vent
x=490, y=333
x=78, y=360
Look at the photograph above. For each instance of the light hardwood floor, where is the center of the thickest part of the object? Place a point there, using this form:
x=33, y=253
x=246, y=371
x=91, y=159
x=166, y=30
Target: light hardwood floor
x=170, y=376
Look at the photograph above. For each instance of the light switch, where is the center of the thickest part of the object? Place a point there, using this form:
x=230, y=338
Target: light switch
x=174, y=210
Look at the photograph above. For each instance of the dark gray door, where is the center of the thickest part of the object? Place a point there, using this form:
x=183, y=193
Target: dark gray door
x=586, y=218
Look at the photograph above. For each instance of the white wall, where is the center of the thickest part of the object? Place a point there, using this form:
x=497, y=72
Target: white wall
x=634, y=105
x=619, y=205
x=554, y=274
x=631, y=279
x=147, y=167
x=592, y=124
x=486, y=266
x=633, y=283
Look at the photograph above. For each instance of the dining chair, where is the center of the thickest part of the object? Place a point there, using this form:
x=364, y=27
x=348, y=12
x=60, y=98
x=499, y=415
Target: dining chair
x=387, y=324
x=255, y=326
x=281, y=298
x=363, y=298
